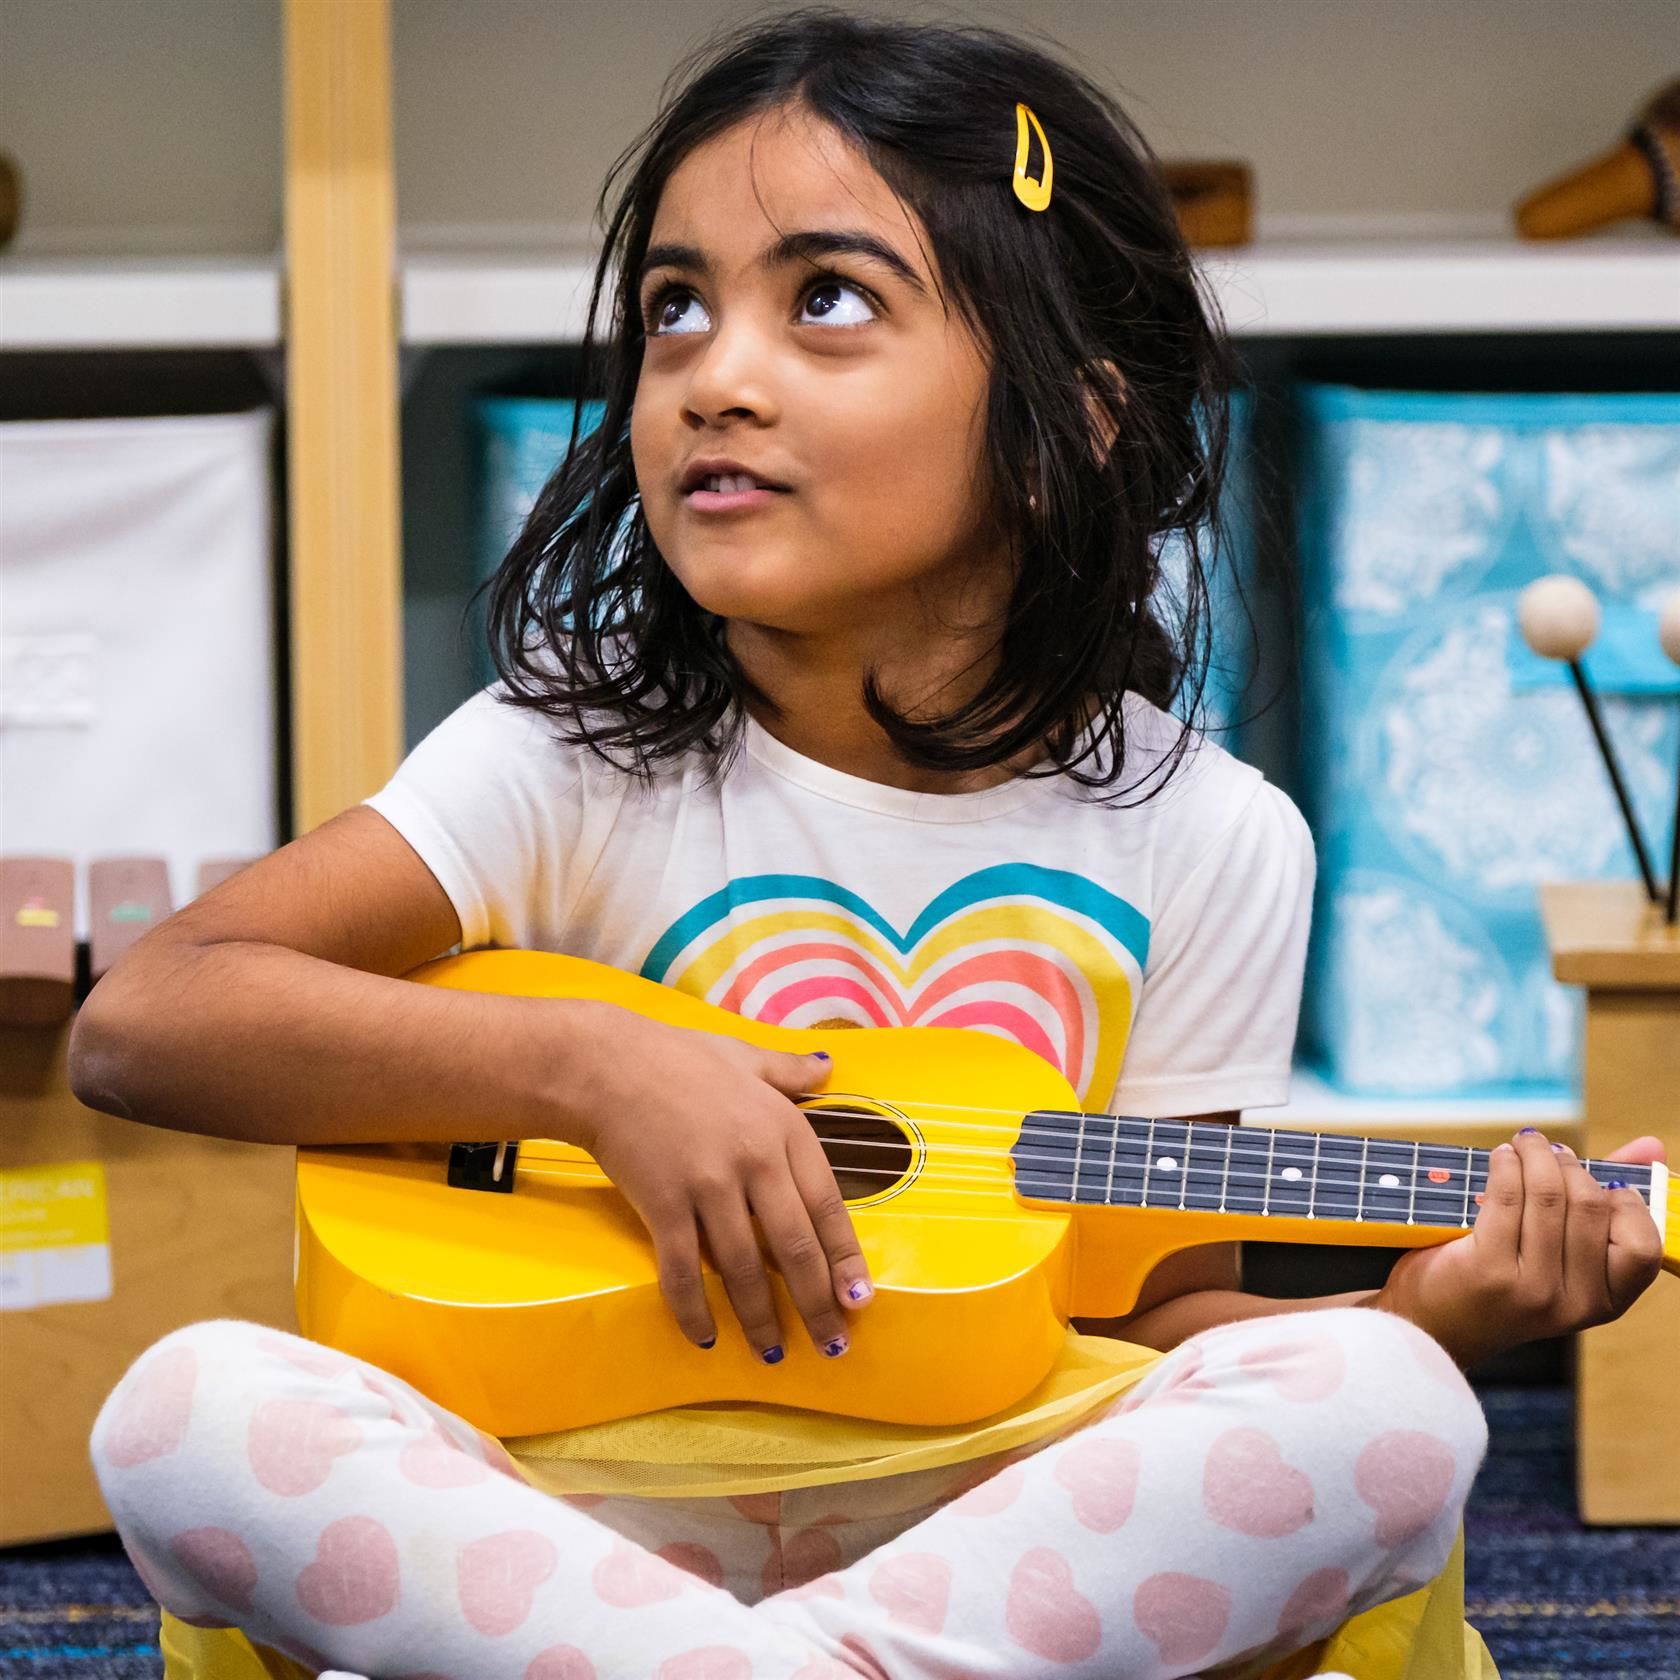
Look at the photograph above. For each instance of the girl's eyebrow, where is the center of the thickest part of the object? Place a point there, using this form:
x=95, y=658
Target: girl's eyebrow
x=807, y=246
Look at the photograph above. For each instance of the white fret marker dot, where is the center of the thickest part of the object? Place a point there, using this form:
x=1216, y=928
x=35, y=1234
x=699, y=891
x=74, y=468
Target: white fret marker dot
x=1166, y=1163
x=1291, y=1173
x=1389, y=1181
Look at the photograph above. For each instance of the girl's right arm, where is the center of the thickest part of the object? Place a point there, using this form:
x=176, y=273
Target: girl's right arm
x=268, y=1011
x=271, y=1010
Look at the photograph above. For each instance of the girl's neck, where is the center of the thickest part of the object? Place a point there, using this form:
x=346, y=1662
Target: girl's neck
x=817, y=685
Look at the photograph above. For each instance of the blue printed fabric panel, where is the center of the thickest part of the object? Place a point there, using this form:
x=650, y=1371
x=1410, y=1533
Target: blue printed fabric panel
x=1229, y=563
x=521, y=441
x=1446, y=771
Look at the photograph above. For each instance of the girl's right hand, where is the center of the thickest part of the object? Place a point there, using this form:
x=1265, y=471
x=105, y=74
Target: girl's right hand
x=698, y=1132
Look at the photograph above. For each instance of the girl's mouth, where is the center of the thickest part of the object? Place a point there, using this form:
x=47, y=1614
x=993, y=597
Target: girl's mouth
x=730, y=493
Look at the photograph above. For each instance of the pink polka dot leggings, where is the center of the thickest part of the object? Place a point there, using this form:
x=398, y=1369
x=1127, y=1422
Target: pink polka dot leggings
x=1264, y=1482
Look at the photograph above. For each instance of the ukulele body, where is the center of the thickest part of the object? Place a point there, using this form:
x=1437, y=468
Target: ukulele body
x=540, y=1310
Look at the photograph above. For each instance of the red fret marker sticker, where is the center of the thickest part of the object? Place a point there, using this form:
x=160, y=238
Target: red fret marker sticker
x=1439, y=1175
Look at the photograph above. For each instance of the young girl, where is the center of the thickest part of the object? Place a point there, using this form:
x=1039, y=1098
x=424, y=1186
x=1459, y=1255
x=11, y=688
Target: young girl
x=836, y=674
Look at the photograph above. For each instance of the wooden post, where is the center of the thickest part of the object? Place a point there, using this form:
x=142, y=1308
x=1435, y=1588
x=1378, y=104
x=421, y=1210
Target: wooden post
x=1606, y=936
x=342, y=405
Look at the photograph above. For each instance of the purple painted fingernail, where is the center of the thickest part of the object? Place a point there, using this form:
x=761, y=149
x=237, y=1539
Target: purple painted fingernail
x=859, y=1291
x=822, y=1055
x=710, y=1342
x=1529, y=1131
x=1614, y=1184
x=1561, y=1148
x=837, y=1347
x=773, y=1355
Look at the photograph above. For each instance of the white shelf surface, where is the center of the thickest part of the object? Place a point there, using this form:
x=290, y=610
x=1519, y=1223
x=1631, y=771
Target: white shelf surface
x=1277, y=288
x=139, y=302
x=1314, y=1103
x=525, y=295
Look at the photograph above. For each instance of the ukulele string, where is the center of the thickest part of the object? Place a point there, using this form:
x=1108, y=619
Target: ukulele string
x=951, y=1182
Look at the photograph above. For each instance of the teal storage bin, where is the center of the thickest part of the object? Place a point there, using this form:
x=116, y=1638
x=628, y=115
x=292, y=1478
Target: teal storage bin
x=521, y=440
x=1233, y=593
x=1445, y=770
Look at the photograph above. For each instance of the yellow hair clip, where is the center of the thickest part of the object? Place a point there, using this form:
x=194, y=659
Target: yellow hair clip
x=1034, y=194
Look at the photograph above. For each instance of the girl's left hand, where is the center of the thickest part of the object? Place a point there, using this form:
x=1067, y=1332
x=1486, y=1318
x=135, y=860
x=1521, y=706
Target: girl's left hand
x=1551, y=1251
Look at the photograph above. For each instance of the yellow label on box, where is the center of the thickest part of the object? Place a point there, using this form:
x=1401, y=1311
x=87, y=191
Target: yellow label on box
x=60, y=1206
x=55, y=1242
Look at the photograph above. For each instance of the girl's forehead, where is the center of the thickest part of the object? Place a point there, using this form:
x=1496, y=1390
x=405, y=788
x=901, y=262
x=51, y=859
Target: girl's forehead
x=772, y=172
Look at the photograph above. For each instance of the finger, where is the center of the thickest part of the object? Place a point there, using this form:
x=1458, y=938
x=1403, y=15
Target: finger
x=795, y=1076
x=799, y=1257
x=1540, y=1240
x=1635, y=1248
x=1499, y=1218
x=1586, y=1244
x=831, y=1219
x=740, y=1263
x=676, y=1245
x=1641, y=1152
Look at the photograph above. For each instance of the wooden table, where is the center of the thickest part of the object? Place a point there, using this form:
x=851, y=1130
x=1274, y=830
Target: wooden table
x=1606, y=937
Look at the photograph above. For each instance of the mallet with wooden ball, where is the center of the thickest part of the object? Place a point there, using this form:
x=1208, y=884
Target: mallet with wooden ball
x=1559, y=618
x=1669, y=631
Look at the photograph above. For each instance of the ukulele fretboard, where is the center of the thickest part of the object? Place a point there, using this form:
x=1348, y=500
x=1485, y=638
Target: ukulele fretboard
x=1202, y=1166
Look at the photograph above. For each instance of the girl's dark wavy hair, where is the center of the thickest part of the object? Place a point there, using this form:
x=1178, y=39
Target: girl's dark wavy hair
x=589, y=625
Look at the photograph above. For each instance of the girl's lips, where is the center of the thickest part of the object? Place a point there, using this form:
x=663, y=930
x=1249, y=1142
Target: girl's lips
x=730, y=501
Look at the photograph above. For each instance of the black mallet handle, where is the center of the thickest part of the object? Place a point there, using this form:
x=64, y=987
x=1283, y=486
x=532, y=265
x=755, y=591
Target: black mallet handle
x=1608, y=754
x=1671, y=911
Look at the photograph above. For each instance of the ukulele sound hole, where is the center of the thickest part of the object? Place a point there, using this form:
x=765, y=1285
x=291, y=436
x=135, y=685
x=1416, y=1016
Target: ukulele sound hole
x=865, y=1145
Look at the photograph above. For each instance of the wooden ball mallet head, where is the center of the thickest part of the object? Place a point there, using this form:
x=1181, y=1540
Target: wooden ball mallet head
x=1559, y=618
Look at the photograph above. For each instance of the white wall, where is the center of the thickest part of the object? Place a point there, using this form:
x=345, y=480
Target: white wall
x=157, y=122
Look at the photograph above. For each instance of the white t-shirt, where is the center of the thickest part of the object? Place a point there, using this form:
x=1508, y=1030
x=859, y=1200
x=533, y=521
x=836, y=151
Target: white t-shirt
x=1153, y=952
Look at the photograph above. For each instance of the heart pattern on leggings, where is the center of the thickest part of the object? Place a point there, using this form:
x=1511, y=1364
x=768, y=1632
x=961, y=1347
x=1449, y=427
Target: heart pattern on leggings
x=1406, y=1477
x=1246, y=1486
x=435, y=1461
x=710, y=1662
x=1046, y=1614
x=1183, y=1616
x=152, y=1409
x=291, y=1444
x=220, y=1562
x=629, y=1577
x=560, y=1662
x=354, y=1577
x=915, y=1589
x=1303, y=1370
x=497, y=1578
x=1102, y=1475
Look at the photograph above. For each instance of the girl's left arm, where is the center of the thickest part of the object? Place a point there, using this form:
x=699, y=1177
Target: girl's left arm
x=1551, y=1252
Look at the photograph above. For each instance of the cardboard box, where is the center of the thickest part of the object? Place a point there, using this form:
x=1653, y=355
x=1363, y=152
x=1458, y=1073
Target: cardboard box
x=112, y=1234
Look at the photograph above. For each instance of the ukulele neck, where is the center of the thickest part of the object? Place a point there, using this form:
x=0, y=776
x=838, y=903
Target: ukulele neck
x=1255, y=1174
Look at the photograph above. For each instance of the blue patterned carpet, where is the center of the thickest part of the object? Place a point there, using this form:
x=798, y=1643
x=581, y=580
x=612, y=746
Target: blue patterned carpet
x=1555, y=1601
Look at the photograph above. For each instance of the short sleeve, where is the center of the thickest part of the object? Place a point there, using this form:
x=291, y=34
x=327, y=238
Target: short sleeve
x=491, y=802
x=1215, y=1030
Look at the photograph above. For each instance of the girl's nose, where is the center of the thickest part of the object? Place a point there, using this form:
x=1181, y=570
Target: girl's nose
x=731, y=379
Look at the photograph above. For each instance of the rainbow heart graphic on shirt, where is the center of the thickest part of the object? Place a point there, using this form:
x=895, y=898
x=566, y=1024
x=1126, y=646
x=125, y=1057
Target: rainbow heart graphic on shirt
x=1042, y=956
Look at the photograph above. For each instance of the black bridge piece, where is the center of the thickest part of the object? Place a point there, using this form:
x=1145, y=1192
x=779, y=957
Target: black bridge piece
x=474, y=1166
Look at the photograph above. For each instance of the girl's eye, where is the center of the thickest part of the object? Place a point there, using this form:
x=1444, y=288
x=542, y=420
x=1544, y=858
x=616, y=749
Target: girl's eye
x=830, y=302
x=827, y=302
x=669, y=313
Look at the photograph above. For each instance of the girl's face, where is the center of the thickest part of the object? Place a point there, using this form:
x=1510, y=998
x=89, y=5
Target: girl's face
x=794, y=328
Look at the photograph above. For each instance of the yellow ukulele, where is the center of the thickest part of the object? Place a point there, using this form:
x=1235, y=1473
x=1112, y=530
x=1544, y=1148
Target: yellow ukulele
x=513, y=1284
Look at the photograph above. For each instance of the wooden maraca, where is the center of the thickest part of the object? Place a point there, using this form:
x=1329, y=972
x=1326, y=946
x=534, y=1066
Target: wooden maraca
x=1668, y=631
x=1640, y=177
x=1559, y=619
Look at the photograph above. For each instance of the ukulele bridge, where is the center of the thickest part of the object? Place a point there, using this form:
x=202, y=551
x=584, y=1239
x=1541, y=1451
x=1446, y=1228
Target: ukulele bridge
x=482, y=1166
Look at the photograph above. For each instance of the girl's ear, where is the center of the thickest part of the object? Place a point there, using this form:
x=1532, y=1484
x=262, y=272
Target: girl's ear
x=1105, y=390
